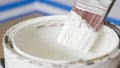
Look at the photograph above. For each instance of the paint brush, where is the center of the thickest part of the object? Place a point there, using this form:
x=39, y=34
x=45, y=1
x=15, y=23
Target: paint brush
x=83, y=25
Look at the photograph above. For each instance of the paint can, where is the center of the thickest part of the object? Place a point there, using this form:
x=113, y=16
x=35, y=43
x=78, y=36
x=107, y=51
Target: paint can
x=25, y=47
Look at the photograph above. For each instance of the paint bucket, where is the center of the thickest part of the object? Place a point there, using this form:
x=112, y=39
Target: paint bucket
x=25, y=47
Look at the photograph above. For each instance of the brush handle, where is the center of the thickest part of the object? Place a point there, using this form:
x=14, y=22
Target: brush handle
x=94, y=15
x=93, y=20
x=110, y=7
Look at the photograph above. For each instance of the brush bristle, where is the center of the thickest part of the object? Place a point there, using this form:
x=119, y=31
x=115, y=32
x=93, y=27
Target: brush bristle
x=77, y=34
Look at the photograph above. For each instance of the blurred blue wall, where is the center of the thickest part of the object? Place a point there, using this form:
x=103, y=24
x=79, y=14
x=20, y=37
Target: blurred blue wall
x=11, y=9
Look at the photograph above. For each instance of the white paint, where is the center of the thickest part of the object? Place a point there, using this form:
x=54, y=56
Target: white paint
x=42, y=43
x=29, y=42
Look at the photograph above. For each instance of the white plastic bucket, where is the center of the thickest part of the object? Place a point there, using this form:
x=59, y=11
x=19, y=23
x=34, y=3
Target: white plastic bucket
x=19, y=56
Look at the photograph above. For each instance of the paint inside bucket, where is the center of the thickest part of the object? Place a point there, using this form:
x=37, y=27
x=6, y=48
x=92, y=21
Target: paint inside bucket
x=39, y=40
